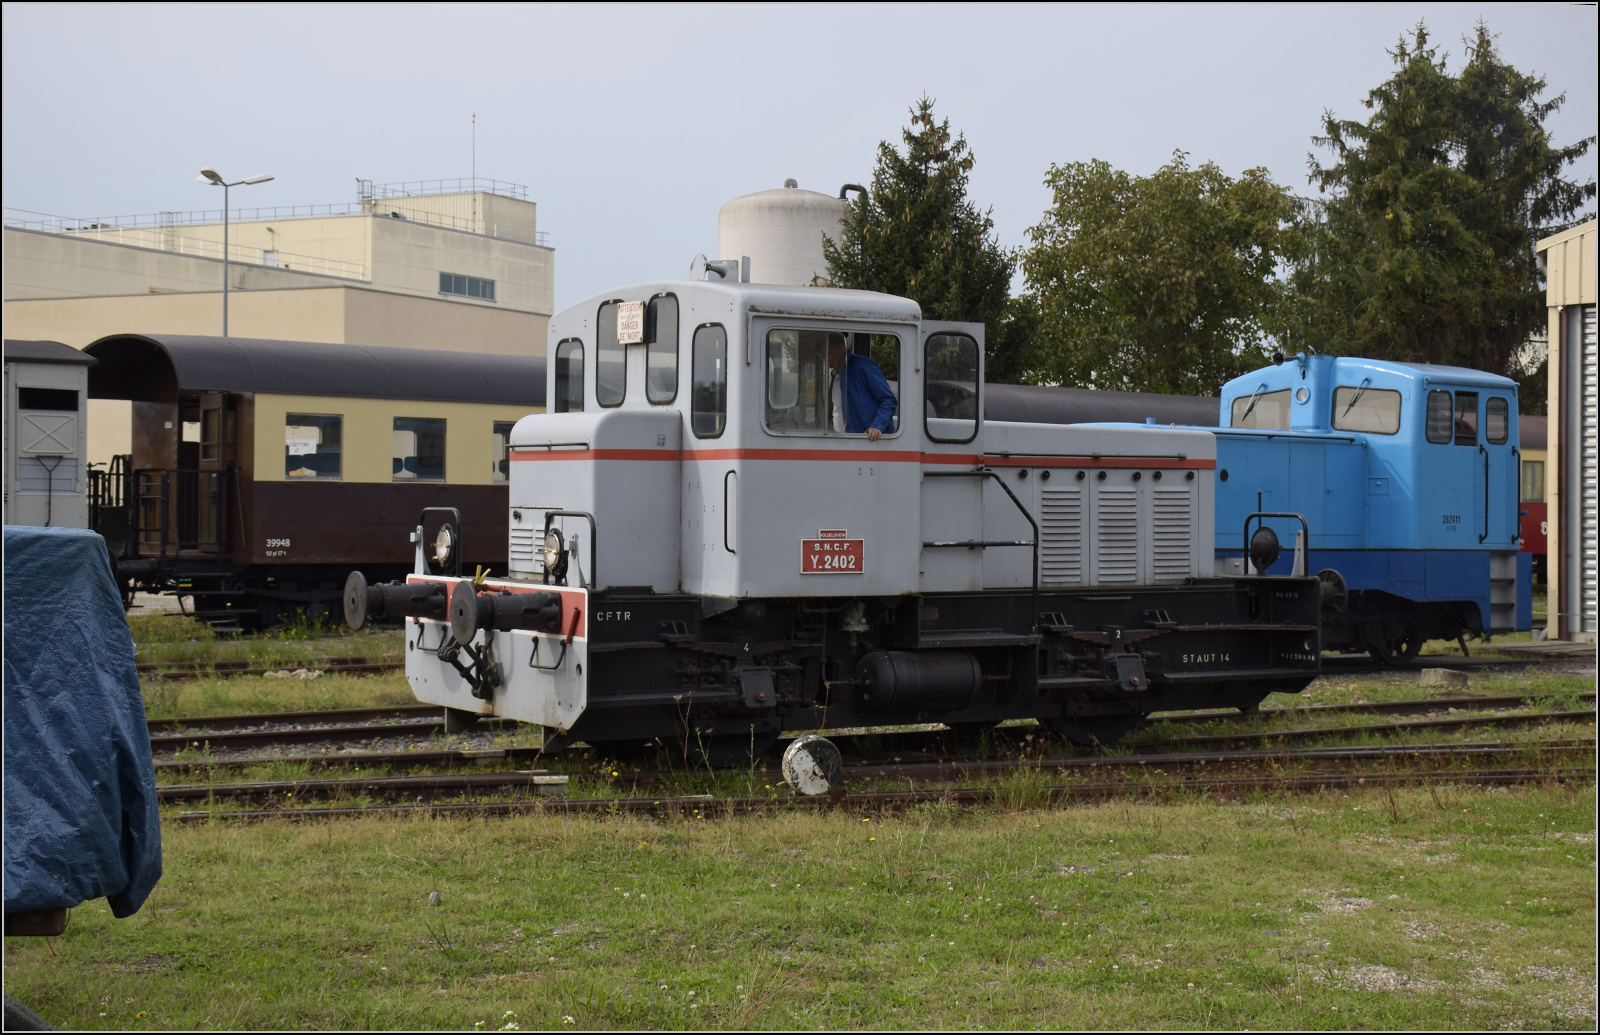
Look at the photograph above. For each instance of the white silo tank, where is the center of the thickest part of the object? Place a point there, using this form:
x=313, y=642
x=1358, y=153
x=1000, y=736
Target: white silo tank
x=781, y=231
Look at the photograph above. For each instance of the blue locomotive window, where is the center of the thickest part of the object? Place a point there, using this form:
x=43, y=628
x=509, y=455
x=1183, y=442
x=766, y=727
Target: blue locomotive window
x=569, y=377
x=1439, y=429
x=610, y=359
x=1466, y=418
x=418, y=449
x=950, y=388
x=312, y=444
x=1496, y=421
x=502, y=450
x=1262, y=409
x=1374, y=410
x=709, y=402
x=661, y=350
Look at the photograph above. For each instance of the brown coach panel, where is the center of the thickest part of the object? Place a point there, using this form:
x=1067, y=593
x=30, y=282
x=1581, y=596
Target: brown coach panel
x=359, y=523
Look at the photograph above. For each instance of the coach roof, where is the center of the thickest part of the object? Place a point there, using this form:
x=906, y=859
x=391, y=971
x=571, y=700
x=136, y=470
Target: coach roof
x=157, y=367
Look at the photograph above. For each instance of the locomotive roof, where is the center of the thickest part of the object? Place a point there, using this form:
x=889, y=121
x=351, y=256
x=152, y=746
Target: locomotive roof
x=156, y=367
x=45, y=352
x=840, y=303
x=1039, y=404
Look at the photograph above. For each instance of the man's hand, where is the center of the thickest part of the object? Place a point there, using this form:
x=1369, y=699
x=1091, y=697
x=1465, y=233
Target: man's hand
x=873, y=434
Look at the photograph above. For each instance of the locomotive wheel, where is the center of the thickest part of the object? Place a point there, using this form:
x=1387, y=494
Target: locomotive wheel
x=1090, y=731
x=728, y=751
x=1392, y=643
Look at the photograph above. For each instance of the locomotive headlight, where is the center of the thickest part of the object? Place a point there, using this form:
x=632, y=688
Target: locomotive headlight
x=552, y=549
x=444, y=545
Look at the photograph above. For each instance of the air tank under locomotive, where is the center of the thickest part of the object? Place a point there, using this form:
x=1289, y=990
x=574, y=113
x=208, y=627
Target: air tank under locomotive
x=712, y=542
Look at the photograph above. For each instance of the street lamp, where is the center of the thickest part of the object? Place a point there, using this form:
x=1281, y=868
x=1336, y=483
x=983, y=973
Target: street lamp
x=214, y=178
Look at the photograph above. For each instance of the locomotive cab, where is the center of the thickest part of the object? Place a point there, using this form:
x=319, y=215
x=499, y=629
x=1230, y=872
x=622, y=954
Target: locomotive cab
x=765, y=509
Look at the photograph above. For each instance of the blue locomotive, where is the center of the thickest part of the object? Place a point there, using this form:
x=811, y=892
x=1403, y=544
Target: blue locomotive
x=1396, y=483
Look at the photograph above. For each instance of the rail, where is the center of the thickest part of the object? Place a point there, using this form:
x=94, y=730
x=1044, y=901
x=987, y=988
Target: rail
x=163, y=238
x=164, y=222
x=174, y=510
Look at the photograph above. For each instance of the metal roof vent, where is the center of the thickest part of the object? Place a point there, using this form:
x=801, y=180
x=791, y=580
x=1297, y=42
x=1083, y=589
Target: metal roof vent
x=791, y=183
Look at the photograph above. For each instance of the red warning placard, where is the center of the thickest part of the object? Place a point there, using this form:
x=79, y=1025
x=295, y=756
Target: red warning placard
x=832, y=553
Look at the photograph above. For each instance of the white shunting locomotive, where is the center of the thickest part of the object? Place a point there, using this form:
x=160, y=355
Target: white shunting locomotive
x=751, y=509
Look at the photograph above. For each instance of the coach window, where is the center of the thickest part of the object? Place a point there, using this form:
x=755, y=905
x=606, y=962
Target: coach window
x=1466, y=418
x=661, y=352
x=502, y=450
x=312, y=445
x=569, y=376
x=950, y=386
x=709, y=371
x=418, y=449
x=1360, y=408
x=1264, y=410
x=1439, y=430
x=610, y=359
x=1533, y=481
x=1496, y=421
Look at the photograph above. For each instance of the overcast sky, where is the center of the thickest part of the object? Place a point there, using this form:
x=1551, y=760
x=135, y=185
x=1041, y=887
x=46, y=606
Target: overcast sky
x=633, y=125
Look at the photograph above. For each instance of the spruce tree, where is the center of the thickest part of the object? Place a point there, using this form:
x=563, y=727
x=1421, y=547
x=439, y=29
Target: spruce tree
x=914, y=233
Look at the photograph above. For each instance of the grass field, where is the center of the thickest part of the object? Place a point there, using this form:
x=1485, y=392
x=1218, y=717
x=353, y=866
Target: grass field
x=1430, y=908
x=1452, y=909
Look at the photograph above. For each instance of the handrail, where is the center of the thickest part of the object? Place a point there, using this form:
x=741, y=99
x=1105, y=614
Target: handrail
x=980, y=544
x=1516, y=494
x=551, y=515
x=1485, y=453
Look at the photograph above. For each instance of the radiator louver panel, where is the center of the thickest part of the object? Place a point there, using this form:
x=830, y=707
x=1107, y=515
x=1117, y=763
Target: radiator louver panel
x=1170, y=559
x=1061, y=537
x=1117, y=536
x=524, y=551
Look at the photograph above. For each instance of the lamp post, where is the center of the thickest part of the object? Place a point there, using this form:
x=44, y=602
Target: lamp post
x=214, y=178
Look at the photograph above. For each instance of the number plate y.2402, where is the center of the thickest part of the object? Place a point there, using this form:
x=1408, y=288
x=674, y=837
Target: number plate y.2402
x=832, y=553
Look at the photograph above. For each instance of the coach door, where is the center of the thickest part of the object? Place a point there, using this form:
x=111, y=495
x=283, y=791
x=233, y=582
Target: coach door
x=213, y=460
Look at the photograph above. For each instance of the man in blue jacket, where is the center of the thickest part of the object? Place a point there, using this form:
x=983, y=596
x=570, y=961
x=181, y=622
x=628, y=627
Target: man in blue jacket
x=861, y=400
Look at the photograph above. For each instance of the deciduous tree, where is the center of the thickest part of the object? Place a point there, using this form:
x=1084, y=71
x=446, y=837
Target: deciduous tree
x=1160, y=283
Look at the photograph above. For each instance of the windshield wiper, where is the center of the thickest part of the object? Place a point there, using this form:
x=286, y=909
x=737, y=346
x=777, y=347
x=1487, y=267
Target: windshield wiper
x=1253, y=400
x=1361, y=390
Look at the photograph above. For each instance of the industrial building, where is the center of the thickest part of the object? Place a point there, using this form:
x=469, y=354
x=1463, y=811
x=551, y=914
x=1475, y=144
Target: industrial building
x=436, y=264
x=1573, y=484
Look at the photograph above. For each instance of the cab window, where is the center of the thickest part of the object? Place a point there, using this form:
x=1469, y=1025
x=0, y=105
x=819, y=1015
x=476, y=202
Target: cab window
x=1466, y=418
x=610, y=359
x=1439, y=424
x=950, y=387
x=809, y=379
x=661, y=349
x=1360, y=408
x=569, y=377
x=1262, y=409
x=709, y=392
x=1496, y=421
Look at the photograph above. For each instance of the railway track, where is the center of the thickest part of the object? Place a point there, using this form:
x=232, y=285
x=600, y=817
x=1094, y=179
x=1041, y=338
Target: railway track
x=912, y=772
x=225, y=669
x=234, y=732
x=707, y=806
x=1333, y=665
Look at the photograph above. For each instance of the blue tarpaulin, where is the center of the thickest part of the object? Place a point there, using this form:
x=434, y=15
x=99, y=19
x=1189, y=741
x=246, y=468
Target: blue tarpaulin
x=80, y=795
